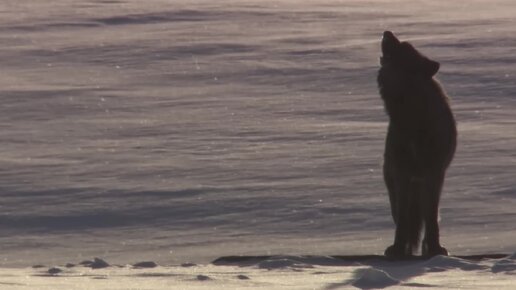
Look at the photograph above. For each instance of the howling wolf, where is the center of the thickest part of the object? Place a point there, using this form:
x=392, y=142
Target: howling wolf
x=420, y=144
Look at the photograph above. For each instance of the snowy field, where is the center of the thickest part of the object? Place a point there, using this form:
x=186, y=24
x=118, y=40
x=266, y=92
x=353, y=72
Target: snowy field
x=283, y=272
x=181, y=131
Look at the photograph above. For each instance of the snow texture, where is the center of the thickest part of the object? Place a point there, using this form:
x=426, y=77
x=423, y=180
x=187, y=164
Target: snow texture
x=181, y=131
x=372, y=278
x=317, y=272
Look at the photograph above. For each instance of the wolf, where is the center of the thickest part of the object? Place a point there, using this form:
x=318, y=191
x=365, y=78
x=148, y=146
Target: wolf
x=420, y=144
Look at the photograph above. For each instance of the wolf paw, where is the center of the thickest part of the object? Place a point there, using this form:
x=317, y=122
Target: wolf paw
x=396, y=252
x=434, y=251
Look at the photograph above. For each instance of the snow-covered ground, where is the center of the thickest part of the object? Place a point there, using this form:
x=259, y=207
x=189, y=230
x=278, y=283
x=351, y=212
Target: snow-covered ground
x=282, y=272
x=181, y=131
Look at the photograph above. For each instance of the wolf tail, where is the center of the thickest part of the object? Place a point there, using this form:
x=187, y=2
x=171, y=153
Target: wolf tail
x=415, y=223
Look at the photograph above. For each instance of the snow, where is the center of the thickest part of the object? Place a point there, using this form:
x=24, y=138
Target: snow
x=284, y=273
x=371, y=278
x=177, y=132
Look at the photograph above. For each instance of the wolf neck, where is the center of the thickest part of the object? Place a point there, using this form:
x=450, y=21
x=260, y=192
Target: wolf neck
x=404, y=97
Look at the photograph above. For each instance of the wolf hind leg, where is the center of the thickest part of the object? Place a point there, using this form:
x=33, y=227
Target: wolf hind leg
x=415, y=215
x=390, y=183
x=431, y=193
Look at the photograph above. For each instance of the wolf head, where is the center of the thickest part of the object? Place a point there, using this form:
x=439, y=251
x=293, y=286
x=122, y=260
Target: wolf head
x=404, y=57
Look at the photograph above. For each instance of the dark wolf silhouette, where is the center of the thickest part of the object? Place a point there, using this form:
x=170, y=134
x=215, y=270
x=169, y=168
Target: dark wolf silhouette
x=420, y=144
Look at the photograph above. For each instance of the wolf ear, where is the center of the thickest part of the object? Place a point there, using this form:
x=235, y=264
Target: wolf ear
x=390, y=44
x=430, y=67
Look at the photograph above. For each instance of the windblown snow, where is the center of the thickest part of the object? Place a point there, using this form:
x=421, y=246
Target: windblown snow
x=176, y=132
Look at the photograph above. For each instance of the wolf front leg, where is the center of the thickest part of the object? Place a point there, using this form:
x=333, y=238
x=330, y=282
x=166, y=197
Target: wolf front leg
x=400, y=203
